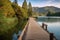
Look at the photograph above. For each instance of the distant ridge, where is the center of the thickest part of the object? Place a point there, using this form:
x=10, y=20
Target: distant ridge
x=46, y=9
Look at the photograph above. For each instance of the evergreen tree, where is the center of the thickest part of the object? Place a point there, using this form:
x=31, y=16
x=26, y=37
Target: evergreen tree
x=30, y=9
x=15, y=1
x=24, y=6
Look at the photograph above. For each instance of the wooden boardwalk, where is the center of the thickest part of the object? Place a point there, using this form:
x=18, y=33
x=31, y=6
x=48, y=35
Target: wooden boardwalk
x=35, y=32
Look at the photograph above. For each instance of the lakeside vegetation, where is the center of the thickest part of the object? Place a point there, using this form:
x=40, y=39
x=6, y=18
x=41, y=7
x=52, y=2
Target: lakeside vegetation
x=57, y=14
x=53, y=14
x=12, y=18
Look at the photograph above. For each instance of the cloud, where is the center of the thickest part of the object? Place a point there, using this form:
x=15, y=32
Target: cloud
x=42, y=3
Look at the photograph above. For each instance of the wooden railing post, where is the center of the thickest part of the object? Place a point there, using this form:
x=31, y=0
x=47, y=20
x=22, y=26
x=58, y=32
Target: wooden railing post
x=51, y=36
x=46, y=27
x=43, y=25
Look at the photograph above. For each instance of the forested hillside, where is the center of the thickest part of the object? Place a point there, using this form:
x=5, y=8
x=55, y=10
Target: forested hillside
x=42, y=11
x=53, y=14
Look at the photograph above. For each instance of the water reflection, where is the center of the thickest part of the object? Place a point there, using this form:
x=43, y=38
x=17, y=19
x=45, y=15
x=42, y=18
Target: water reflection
x=53, y=25
x=49, y=19
x=15, y=36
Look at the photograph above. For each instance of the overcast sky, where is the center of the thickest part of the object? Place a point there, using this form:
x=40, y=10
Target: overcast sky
x=41, y=3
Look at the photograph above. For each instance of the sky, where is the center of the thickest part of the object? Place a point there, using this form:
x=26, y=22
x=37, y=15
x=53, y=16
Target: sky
x=41, y=3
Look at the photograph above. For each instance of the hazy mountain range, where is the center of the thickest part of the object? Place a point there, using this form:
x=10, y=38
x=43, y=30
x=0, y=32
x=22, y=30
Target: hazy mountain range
x=45, y=9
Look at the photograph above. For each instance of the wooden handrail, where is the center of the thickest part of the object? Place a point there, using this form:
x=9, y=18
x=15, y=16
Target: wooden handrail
x=52, y=37
x=23, y=32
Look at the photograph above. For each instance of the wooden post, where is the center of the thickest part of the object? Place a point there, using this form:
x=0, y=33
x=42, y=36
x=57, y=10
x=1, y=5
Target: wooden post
x=43, y=25
x=46, y=27
x=51, y=36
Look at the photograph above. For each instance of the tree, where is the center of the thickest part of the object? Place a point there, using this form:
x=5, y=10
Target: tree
x=6, y=8
x=15, y=1
x=24, y=6
x=30, y=9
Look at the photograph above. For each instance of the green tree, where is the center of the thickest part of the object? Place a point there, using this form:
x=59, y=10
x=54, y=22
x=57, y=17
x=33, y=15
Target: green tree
x=30, y=9
x=24, y=6
x=15, y=1
x=19, y=11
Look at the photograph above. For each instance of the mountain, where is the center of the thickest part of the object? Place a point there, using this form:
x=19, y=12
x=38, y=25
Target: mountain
x=46, y=9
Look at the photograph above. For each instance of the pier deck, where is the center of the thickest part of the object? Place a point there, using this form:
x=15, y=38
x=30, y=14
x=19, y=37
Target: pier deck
x=35, y=32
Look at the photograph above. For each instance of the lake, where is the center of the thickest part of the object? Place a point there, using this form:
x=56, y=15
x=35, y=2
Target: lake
x=53, y=24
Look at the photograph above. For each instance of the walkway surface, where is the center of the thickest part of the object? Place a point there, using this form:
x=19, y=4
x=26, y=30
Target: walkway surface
x=35, y=32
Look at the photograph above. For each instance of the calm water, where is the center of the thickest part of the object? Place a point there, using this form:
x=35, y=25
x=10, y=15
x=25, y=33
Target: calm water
x=15, y=36
x=53, y=25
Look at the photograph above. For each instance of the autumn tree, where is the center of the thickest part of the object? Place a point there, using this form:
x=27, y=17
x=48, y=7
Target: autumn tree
x=6, y=8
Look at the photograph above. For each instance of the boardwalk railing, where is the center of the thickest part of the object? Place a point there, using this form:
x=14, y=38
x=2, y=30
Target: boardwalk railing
x=44, y=26
x=52, y=37
x=23, y=32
